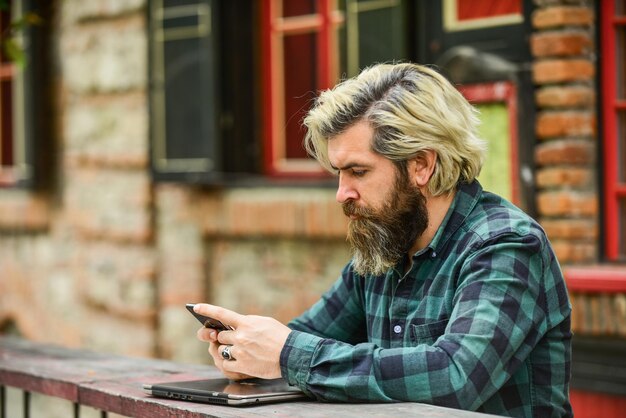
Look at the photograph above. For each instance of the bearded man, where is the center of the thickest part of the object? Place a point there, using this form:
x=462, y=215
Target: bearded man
x=453, y=296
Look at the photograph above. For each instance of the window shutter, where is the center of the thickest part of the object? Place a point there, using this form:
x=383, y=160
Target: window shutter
x=184, y=90
x=375, y=33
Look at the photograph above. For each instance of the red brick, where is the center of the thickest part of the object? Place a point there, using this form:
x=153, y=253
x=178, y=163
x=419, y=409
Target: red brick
x=564, y=176
x=82, y=159
x=266, y=216
x=552, y=17
x=315, y=214
x=570, y=151
x=565, y=96
x=182, y=259
x=568, y=252
x=567, y=203
x=181, y=282
x=325, y=219
x=23, y=210
x=565, y=123
x=570, y=229
x=561, y=43
x=563, y=70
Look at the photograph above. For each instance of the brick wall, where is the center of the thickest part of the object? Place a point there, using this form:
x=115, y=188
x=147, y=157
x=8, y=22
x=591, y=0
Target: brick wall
x=266, y=251
x=564, y=73
x=564, y=48
x=105, y=258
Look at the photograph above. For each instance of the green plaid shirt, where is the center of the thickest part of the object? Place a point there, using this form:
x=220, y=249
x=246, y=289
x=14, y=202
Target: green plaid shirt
x=480, y=322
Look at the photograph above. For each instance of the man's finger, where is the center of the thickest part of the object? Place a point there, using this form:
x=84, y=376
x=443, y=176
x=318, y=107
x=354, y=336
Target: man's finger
x=227, y=317
x=213, y=351
x=226, y=337
x=207, y=334
x=231, y=367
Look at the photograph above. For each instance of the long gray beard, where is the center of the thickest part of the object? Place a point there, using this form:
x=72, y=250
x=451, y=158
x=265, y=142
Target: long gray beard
x=380, y=240
x=374, y=250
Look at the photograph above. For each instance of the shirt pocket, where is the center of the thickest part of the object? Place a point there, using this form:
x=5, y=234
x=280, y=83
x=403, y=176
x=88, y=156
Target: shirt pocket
x=428, y=333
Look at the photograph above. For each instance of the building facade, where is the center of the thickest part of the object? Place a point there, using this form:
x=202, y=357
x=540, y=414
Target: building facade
x=151, y=153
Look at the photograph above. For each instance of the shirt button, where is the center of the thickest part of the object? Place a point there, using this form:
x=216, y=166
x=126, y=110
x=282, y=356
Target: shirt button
x=397, y=329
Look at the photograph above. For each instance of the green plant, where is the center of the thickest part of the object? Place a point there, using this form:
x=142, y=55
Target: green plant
x=9, y=36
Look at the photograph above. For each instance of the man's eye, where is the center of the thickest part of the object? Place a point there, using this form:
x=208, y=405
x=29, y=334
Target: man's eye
x=358, y=173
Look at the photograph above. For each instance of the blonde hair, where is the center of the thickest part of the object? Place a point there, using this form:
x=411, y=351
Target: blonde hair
x=411, y=108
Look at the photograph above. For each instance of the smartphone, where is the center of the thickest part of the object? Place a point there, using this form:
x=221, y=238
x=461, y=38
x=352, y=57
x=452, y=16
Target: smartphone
x=206, y=321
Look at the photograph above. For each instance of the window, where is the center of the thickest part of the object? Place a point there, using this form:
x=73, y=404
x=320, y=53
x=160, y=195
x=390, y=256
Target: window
x=613, y=27
x=184, y=99
x=475, y=14
x=376, y=32
x=301, y=57
x=7, y=75
x=231, y=81
x=498, y=111
x=308, y=46
x=491, y=26
x=20, y=81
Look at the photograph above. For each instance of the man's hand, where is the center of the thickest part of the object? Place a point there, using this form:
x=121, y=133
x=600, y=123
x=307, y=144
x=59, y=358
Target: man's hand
x=255, y=343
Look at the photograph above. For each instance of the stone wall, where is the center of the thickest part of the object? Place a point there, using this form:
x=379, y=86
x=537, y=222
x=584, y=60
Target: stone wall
x=269, y=251
x=106, y=259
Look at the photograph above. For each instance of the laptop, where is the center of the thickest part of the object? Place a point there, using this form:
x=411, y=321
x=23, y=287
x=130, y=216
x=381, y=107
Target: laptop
x=227, y=392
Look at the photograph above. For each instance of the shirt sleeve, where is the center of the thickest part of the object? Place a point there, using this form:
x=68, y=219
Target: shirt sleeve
x=500, y=313
x=339, y=314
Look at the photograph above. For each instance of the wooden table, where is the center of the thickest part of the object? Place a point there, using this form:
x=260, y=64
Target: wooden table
x=114, y=384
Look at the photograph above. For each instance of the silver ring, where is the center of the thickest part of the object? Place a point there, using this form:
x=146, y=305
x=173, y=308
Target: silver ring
x=226, y=353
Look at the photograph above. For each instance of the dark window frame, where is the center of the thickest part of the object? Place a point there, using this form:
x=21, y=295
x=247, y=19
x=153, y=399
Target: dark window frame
x=30, y=92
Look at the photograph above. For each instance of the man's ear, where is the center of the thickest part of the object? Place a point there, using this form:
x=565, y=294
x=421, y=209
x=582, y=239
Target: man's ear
x=422, y=167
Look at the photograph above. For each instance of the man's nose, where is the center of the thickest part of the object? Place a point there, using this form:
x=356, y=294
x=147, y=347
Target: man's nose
x=345, y=191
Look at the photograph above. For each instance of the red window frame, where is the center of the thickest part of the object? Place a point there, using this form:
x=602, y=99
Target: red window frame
x=7, y=141
x=500, y=92
x=324, y=25
x=478, y=14
x=612, y=106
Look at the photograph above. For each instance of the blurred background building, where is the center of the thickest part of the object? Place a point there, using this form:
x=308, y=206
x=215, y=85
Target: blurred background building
x=151, y=155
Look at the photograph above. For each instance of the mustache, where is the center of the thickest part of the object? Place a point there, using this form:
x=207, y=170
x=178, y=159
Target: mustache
x=350, y=208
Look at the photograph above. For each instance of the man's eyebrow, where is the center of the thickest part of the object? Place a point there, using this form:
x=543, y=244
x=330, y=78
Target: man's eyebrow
x=349, y=166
